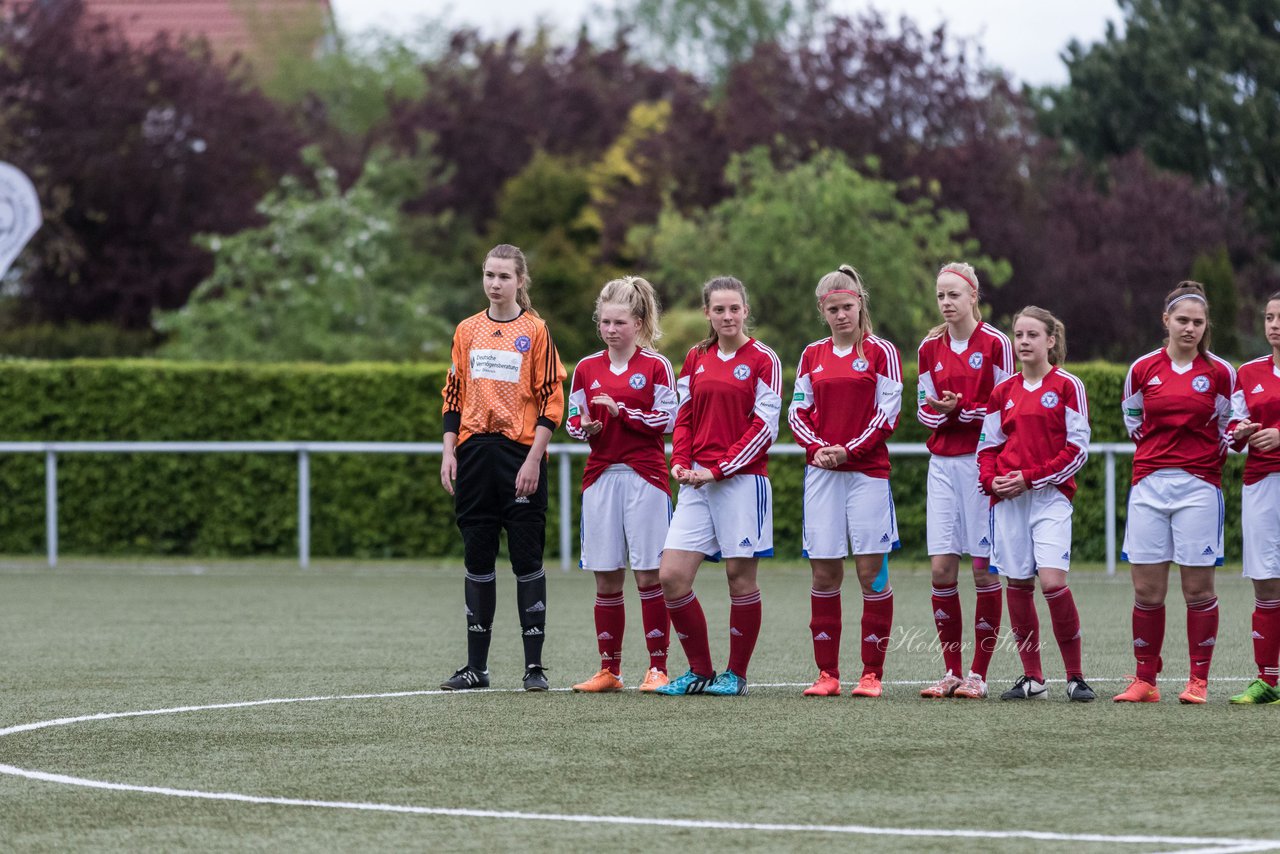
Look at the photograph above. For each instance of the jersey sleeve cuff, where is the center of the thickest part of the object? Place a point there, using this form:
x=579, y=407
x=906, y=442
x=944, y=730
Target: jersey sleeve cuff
x=452, y=422
x=544, y=421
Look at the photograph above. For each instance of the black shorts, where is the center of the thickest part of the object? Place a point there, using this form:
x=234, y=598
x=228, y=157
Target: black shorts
x=485, y=491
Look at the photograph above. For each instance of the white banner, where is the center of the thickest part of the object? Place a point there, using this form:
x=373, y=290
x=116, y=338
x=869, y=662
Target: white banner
x=19, y=214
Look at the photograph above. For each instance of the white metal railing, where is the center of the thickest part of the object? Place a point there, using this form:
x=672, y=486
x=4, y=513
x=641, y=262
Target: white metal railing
x=563, y=452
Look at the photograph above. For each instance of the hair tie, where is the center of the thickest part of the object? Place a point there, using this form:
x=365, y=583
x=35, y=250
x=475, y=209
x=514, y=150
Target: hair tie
x=1177, y=300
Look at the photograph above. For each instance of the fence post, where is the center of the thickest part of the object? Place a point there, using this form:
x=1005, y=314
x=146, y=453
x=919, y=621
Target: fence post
x=1111, y=511
x=304, y=508
x=566, y=510
x=51, y=506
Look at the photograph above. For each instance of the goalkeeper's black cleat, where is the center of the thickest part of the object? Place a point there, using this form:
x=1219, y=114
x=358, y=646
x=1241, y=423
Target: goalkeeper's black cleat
x=466, y=679
x=535, y=678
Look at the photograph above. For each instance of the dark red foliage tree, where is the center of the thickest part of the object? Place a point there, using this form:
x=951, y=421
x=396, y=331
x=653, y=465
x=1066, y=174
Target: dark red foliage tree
x=133, y=150
x=489, y=105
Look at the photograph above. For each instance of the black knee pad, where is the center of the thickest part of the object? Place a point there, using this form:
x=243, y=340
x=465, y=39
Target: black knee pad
x=480, y=549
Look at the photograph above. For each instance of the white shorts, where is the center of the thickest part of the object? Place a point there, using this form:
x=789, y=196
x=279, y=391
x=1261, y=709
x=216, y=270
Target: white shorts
x=623, y=516
x=1174, y=516
x=1030, y=532
x=1260, y=518
x=847, y=508
x=957, y=514
x=726, y=518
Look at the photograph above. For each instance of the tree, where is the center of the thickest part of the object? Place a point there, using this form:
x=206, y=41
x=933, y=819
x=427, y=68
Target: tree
x=1192, y=84
x=709, y=37
x=489, y=106
x=782, y=229
x=330, y=277
x=133, y=151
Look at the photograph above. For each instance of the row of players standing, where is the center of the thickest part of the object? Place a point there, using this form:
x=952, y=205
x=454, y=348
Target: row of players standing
x=1004, y=450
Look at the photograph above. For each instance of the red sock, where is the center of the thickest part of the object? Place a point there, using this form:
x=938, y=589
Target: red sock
x=824, y=624
x=691, y=627
x=1148, y=639
x=611, y=621
x=1202, y=635
x=946, y=616
x=744, y=629
x=1024, y=622
x=986, y=626
x=1066, y=629
x=656, y=621
x=1266, y=639
x=877, y=625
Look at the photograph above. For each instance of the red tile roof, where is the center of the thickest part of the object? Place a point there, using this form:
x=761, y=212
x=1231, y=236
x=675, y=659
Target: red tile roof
x=228, y=24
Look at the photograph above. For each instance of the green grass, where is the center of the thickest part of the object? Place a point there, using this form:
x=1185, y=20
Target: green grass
x=123, y=636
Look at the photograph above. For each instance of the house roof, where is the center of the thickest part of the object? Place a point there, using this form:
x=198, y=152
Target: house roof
x=231, y=26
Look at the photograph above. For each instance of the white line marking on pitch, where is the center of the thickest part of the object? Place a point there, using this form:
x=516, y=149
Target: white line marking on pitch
x=1219, y=845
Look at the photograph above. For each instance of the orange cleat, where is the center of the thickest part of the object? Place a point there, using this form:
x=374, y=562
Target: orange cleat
x=944, y=687
x=868, y=686
x=653, y=680
x=1196, y=692
x=1138, y=692
x=826, y=686
x=604, y=682
x=974, y=687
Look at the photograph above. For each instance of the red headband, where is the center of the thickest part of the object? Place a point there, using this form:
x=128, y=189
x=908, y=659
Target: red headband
x=961, y=276
x=853, y=294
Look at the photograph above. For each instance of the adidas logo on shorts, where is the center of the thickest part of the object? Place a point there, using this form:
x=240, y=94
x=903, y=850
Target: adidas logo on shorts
x=884, y=538
x=656, y=633
x=984, y=542
x=745, y=542
x=1208, y=550
x=822, y=636
x=1066, y=555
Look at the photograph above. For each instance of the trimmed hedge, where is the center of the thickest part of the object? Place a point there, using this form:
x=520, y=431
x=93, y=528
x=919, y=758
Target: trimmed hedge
x=362, y=505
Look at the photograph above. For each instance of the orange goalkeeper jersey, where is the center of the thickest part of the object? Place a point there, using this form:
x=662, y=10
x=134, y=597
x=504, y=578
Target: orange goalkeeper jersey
x=506, y=377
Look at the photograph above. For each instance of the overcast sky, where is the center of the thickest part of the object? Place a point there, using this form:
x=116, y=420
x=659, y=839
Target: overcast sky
x=1023, y=36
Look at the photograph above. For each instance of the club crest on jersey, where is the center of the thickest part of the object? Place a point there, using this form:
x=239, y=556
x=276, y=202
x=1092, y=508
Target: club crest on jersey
x=1200, y=383
x=1049, y=399
x=975, y=361
x=741, y=372
x=523, y=343
x=636, y=381
x=859, y=364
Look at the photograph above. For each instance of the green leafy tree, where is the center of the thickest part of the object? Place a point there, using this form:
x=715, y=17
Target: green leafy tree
x=783, y=229
x=546, y=210
x=1213, y=270
x=331, y=277
x=1193, y=84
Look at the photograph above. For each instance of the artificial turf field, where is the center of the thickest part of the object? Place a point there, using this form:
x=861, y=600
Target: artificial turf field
x=628, y=772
